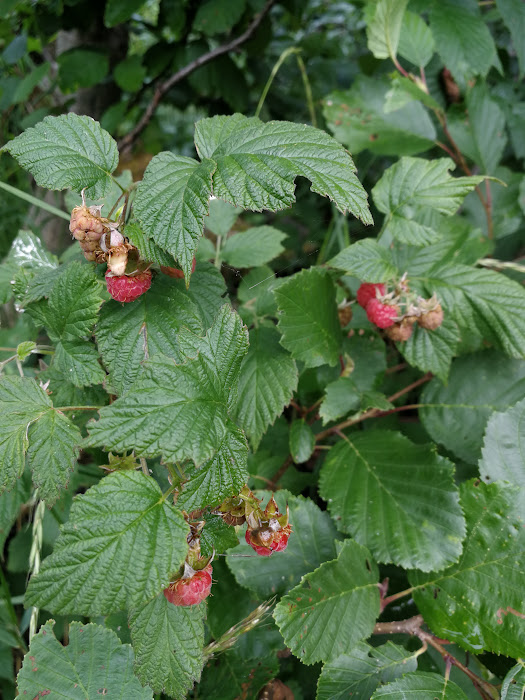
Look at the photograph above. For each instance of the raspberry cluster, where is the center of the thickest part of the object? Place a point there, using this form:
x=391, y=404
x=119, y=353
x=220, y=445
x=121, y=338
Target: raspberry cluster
x=396, y=309
x=267, y=530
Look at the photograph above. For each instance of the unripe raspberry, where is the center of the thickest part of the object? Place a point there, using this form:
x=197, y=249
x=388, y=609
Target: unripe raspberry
x=191, y=590
x=432, y=319
x=175, y=272
x=382, y=315
x=368, y=291
x=269, y=537
x=87, y=226
x=127, y=288
x=401, y=331
x=345, y=315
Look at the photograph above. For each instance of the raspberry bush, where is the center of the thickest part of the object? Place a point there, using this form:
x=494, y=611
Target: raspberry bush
x=262, y=438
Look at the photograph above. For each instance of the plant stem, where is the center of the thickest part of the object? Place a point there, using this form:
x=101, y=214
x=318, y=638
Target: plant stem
x=218, y=262
x=34, y=200
x=282, y=58
x=307, y=89
x=396, y=596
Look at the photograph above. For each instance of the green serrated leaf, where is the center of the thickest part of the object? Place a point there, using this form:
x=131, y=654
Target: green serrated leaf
x=513, y=687
x=171, y=203
x=168, y=640
x=308, y=318
x=416, y=42
x=218, y=16
x=112, y=553
x=232, y=676
x=25, y=349
x=456, y=415
x=513, y=15
x=302, y=441
x=118, y=11
x=93, y=663
x=267, y=380
x=10, y=502
x=424, y=686
x=312, y=541
x=52, y=453
x=357, y=673
x=478, y=602
x=404, y=91
x=148, y=249
x=341, y=397
x=179, y=411
x=128, y=334
x=27, y=250
x=319, y=618
x=81, y=68
x=367, y=260
x=382, y=477
x=217, y=536
x=67, y=151
x=384, y=28
x=462, y=38
x=270, y=156
x=502, y=456
x=129, y=74
x=222, y=476
x=207, y=290
x=357, y=117
x=432, y=351
x=412, y=184
x=256, y=246
x=222, y=216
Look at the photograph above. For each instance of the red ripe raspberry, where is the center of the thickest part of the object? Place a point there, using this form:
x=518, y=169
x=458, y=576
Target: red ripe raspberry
x=128, y=287
x=383, y=315
x=368, y=291
x=192, y=590
x=175, y=272
x=267, y=539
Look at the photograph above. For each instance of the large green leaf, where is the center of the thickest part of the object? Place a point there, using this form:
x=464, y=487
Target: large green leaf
x=421, y=685
x=382, y=477
x=171, y=203
x=67, y=151
x=31, y=426
x=358, y=672
x=485, y=134
x=416, y=42
x=513, y=14
x=384, y=28
x=411, y=187
x=179, y=411
x=69, y=318
x=432, y=351
x=357, y=118
x=167, y=641
x=332, y=608
x=256, y=246
x=503, y=455
x=482, y=303
x=463, y=40
x=128, y=334
x=478, y=602
x=112, y=552
x=308, y=318
x=148, y=249
x=258, y=162
x=367, y=260
x=456, y=415
x=207, y=291
x=267, y=381
x=94, y=663
x=222, y=476
x=312, y=542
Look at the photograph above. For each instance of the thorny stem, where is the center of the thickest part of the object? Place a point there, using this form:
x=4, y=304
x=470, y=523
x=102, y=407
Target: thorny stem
x=373, y=412
x=128, y=140
x=413, y=627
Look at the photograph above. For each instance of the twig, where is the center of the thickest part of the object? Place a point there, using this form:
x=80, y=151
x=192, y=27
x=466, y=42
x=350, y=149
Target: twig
x=127, y=141
x=280, y=472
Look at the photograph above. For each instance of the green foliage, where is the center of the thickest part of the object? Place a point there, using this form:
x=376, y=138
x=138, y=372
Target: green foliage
x=133, y=432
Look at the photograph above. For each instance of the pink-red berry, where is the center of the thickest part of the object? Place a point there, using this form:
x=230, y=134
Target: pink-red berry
x=192, y=590
x=127, y=288
x=382, y=315
x=368, y=291
x=268, y=538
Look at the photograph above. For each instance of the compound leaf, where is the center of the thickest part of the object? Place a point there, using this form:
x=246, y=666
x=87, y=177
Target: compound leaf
x=94, y=663
x=67, y=151
x=382, y=477
x=257, y=163
x=478, y=602
x=308, y=318
x=332, y=608
x=112, y=551
x=168, y=640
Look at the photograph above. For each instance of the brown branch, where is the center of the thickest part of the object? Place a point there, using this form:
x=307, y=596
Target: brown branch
x=127, y=141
